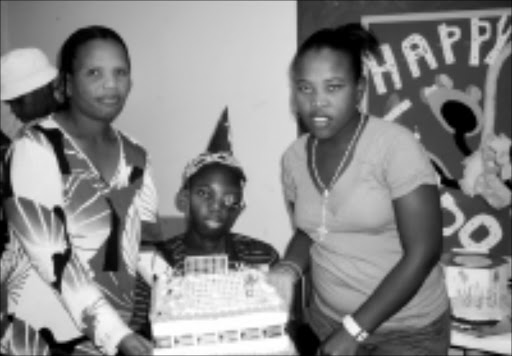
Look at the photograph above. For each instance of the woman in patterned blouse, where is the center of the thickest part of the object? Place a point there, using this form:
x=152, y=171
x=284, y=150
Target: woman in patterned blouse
x=80, y=196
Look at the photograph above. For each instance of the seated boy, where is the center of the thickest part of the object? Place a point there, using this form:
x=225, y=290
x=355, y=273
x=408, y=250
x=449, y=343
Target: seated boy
x=212, y=199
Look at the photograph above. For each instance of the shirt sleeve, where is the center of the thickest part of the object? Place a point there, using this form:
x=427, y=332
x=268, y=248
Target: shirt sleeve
x=148, y=198
x=36, y=216
x=406, y=163
x=289, y=186
x=147, y=203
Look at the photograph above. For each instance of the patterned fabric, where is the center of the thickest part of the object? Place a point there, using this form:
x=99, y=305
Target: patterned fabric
x=362, y=244
x=68, y=271
x=225, y=158
x=240, y=249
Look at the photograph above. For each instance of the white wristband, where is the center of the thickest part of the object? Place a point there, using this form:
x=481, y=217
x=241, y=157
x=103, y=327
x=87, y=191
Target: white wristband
x=353, y=328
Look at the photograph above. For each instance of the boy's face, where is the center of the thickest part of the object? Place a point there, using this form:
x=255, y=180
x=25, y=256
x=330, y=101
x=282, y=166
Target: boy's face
x=216, y=200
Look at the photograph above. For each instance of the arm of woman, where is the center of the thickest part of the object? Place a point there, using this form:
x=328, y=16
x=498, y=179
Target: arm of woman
x=418, y=216
x=296, y=260
x=149, y=262
x=37, y=219
x=419, y=221
x=147, y=203
x=285, y=273
x=297, y=251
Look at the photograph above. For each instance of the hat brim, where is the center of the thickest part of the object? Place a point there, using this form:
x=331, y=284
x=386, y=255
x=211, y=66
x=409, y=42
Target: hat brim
x=28, y=85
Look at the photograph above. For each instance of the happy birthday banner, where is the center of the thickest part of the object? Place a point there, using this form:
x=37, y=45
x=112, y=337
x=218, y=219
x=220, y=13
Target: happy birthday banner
x=446, y=76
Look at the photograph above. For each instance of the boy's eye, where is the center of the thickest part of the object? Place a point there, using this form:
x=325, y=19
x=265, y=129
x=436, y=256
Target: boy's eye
x=203, y=194
x=231, y=201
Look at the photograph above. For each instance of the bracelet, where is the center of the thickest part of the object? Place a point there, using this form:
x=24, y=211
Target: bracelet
x=354, y=329
x=294, y=267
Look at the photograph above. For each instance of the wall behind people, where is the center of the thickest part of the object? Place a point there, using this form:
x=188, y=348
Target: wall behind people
x=444, y=61
x=190, y=60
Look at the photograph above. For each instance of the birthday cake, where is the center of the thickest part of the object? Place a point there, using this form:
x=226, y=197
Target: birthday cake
x=477, y=287
x=212, y=310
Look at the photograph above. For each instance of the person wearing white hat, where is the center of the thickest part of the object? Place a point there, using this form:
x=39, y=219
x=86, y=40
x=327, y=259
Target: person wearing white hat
x=26, y=83
x=26, y=87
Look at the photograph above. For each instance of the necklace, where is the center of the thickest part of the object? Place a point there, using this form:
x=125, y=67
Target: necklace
x=327, y=188
x=322, y=230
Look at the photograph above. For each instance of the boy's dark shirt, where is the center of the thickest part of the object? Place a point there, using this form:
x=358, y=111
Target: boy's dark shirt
x=240, y=249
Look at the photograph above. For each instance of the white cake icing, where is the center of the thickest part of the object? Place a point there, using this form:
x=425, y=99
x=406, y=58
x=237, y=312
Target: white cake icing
x=218, y=312
x=477, y=287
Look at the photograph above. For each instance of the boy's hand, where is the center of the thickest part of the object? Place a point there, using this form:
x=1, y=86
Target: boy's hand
x=135, y=344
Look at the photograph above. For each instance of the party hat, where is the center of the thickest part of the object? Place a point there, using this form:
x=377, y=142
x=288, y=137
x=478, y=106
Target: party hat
x=221, y=137
x=218, y=150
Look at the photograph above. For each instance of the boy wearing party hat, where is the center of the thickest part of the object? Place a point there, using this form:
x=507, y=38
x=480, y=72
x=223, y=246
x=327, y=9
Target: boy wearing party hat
x=212, y=199
x=211, y=196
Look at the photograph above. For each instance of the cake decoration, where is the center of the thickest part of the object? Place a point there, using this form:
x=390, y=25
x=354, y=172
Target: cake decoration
x=211, y=309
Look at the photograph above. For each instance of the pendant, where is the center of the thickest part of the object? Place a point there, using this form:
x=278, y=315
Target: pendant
x=322, y=231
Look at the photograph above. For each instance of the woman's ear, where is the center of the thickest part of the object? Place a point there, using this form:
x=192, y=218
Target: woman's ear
x=361, y=88
x=182, y=201
x=67, y=86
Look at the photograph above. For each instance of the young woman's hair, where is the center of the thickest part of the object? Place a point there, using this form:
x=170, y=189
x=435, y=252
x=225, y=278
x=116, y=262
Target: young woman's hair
x=69, y=51
x=351, y=39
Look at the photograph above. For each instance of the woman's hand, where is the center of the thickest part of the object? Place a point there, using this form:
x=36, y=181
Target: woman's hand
x=283, y=279
x=339, y=342
x=135, y=344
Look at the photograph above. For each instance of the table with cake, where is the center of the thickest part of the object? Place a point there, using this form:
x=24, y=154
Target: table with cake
x=479, y=289
x=210, y=309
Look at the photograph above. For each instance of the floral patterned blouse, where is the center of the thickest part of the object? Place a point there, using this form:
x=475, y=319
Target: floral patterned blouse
x=68, y=271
